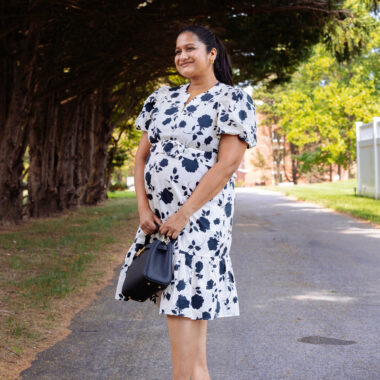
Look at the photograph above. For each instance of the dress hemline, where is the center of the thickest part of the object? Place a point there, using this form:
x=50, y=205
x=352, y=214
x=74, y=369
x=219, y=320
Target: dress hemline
x=200, y=319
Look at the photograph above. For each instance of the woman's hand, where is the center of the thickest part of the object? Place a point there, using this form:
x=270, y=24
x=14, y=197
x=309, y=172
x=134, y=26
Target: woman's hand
x=149, y=221
x=174, y=224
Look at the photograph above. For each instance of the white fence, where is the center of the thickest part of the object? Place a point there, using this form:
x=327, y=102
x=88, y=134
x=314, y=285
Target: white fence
x=368, y=157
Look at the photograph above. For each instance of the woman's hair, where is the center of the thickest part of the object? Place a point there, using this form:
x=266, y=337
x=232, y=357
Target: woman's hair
x=222, y=64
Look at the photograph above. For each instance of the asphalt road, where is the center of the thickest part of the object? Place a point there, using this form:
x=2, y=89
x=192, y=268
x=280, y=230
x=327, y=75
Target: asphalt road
x=308, y=282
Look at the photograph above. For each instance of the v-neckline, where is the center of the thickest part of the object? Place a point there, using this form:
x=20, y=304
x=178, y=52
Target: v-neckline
x=186, y=86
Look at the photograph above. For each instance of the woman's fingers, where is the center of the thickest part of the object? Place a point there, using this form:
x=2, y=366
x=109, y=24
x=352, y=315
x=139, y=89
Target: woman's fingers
x=151, y=223
x=149, y=229
x=157, y=220
x=173, y=225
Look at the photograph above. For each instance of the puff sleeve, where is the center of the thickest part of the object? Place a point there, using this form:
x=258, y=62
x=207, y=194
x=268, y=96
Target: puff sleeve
x=144, y=119
x=237, y=116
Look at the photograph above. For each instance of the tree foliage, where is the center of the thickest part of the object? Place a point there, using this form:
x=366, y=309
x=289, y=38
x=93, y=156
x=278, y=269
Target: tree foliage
x=316, y=111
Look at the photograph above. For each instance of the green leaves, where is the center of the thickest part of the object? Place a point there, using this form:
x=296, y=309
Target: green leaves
x=318, y=108
x=348, y=37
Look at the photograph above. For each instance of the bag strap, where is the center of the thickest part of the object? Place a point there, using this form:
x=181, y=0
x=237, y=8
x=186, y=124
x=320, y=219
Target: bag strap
x=147, y=238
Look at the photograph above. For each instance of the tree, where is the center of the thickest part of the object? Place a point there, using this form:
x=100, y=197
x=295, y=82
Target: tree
x=69, y=66
x=317, y=109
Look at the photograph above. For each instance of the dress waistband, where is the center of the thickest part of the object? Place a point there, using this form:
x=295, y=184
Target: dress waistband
x=174, y=148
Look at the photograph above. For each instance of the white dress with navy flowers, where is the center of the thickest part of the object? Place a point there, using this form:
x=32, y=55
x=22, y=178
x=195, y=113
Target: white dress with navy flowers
x=184, y=146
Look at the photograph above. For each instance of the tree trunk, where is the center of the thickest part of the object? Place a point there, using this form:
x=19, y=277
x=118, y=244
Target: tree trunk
x=67, y=164
x=68, y=154
x=284, y=165
x=349, y=168
x=42, y=187
x=293, y=151
x=110, y=168
x=15, y=89
x=85, y=145
x=96, y=190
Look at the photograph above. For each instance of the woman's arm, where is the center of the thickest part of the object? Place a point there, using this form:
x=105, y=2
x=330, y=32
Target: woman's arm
x=148, y=219
x=230, y=154
x=141, y=156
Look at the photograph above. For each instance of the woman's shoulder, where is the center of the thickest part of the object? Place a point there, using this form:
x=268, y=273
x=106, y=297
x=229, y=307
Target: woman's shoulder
x=158, y=94
x=162, y=90
x=167, y=91
x=233, y=95
x=232, y=90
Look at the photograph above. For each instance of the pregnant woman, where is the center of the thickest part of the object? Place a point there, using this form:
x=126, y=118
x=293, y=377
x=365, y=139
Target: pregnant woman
x=195, y=136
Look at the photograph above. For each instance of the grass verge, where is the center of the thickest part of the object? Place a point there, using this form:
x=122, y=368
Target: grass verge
x=339, y=196
x=51, y=269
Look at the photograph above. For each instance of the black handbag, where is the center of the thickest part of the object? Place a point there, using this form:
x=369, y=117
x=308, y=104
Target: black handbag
x=150, y=271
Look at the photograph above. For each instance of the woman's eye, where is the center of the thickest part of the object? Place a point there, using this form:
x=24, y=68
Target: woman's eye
x=190, y=48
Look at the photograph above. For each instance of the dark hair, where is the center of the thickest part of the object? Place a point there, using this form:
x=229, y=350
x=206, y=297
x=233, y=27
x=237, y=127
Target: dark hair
x=222, y=64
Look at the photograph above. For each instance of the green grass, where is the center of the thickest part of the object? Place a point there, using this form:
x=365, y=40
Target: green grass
x=53, y=251
x=50, y=258
x=338, y=195
x=122, y=194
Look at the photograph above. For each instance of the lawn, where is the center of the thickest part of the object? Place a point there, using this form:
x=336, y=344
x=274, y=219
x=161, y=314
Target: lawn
x=52, y=266
x=338, y=195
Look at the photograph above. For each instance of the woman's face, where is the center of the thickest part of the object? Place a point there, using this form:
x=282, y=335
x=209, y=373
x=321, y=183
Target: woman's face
x=191, y=58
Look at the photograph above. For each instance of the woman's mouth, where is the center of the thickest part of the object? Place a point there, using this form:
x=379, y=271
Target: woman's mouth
x=185, y=64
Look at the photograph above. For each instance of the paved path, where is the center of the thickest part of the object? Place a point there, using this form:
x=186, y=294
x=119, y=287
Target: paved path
x=308, y=282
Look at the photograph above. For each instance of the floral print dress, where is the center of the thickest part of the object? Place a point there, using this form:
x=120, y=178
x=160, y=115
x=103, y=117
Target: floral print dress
x=184, y=142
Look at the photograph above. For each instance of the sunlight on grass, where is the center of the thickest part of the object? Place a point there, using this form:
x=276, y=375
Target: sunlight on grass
x=122, y=194
x=339, y=196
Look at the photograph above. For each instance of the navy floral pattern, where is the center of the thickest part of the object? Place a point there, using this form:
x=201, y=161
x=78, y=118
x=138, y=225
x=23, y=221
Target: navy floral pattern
x=184, y=142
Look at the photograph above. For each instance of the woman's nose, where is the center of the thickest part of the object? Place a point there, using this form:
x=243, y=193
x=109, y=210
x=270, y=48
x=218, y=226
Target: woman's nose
x=183, y=57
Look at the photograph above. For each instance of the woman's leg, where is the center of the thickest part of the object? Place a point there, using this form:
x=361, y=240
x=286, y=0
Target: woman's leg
x=188, y=347
x=200, y=370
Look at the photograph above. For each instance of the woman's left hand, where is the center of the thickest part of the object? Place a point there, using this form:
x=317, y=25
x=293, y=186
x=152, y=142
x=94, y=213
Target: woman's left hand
x=174, y=224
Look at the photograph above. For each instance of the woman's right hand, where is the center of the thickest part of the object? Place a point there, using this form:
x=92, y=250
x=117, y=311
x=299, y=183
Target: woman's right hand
x=149, y=221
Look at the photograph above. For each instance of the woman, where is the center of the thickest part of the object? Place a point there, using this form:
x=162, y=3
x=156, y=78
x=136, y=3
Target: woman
x=195, y=136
